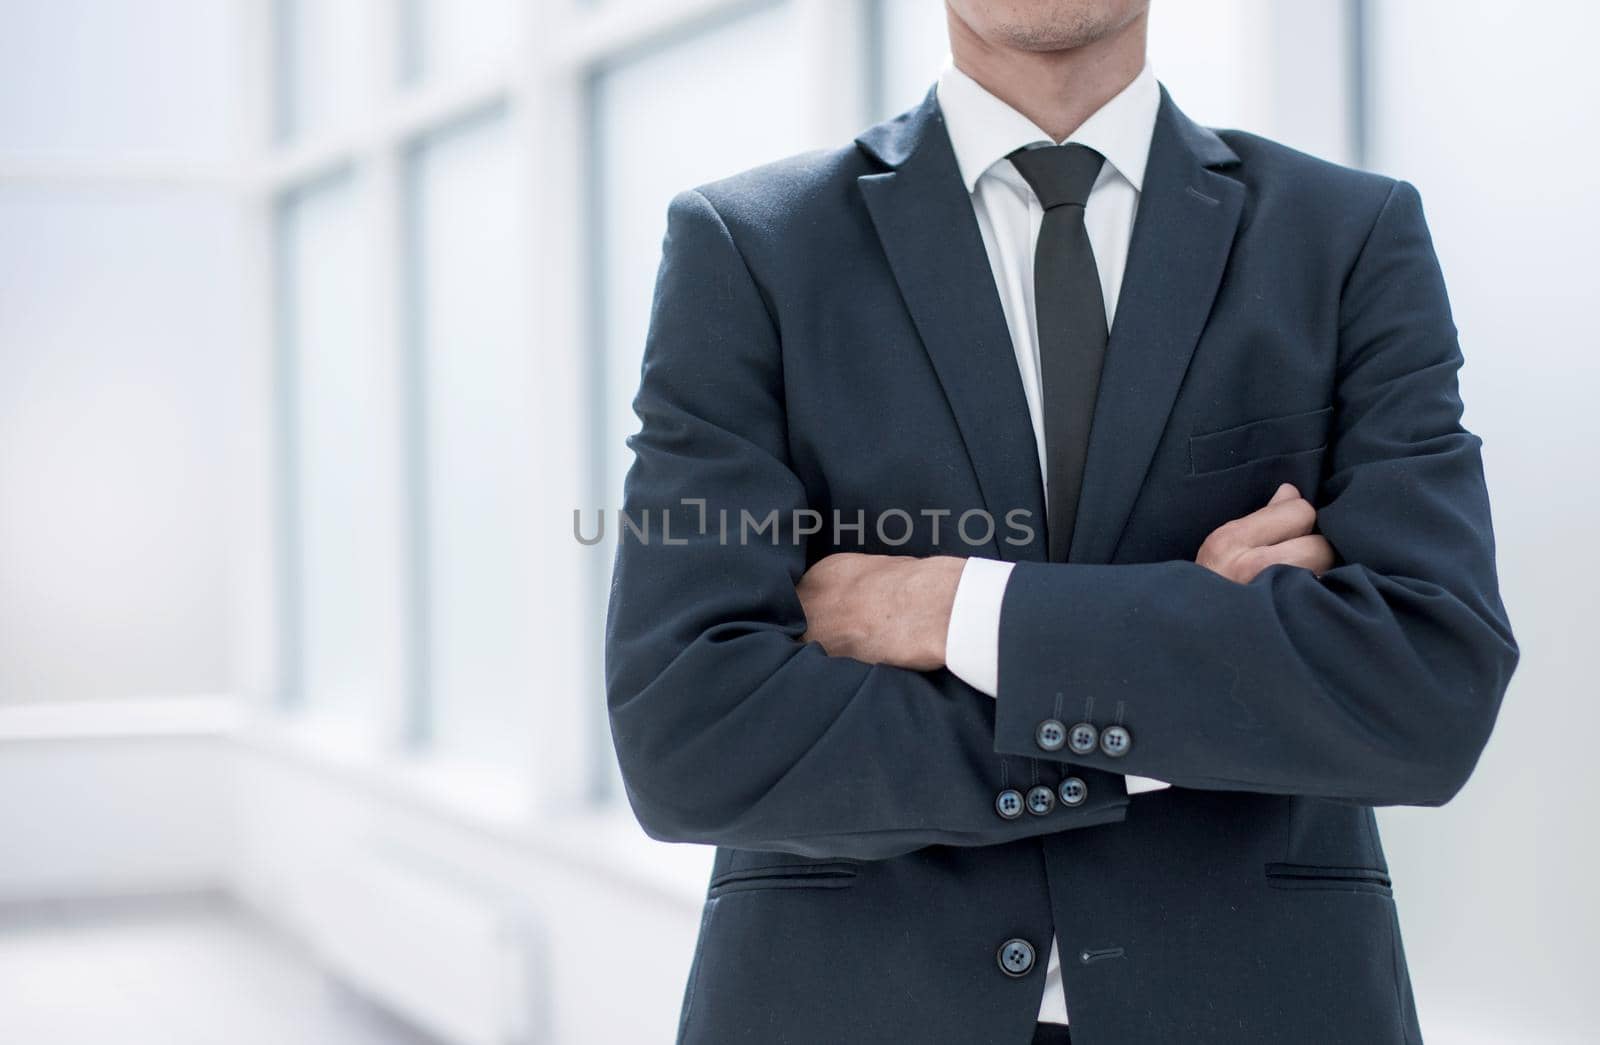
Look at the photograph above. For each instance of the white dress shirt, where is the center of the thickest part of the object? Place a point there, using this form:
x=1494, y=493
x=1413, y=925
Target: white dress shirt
x=983, y=131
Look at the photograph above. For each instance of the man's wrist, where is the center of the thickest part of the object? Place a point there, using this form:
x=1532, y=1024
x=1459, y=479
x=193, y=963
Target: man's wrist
x=935, y=586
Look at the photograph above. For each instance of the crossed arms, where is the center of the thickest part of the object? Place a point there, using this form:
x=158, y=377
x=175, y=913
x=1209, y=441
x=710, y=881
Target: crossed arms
x=1376, y=682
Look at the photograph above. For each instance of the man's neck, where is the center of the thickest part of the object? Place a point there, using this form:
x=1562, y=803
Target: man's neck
x=1057, y=90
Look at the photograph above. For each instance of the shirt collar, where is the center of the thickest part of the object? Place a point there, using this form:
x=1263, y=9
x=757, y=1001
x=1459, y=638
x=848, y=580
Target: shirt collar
x=984, y=130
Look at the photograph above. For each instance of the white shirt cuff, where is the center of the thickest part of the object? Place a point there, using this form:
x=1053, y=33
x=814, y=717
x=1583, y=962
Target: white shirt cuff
x=1138, y=785
x=972, y=643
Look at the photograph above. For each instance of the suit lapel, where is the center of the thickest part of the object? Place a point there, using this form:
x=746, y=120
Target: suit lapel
x=924, y=219
x=1188, y=214
x=1182, y=236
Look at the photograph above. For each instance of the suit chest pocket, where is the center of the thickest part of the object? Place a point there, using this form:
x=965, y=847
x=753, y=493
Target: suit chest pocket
x=1269, y=438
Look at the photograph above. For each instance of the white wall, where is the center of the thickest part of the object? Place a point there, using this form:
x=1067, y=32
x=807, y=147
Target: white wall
x=598, y=924
x=95, y=812
x=119, y=308
x=1489, y=109
x=1265, y=66
x=107, y=80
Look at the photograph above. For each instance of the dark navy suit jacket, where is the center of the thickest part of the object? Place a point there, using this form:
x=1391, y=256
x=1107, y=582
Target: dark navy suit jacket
x=826, y=334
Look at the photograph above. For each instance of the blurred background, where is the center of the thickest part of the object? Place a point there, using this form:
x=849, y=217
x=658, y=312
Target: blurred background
x=318, y=318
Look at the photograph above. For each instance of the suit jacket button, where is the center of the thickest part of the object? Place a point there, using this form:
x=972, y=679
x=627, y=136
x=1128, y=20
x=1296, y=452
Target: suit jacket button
x=1082, y=738
x=1041, y=800
x=1015, y=958
x=1050, y=735
x=1073, y=791
x=1008, y=803
x=1115, y=741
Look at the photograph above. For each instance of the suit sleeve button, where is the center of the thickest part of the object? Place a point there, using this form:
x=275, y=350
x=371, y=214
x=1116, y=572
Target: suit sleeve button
x=1041, y=800
x=1008, y=803
x=1073, y=791
x=1115, y=741
x=1082, y=738
x=1050, y=735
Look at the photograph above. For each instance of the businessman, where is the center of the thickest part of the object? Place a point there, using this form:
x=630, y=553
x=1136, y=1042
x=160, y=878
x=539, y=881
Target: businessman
x=1064, y=535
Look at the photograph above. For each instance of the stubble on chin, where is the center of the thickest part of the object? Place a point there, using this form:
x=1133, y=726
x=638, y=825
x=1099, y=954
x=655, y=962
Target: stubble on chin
x=1062, y=30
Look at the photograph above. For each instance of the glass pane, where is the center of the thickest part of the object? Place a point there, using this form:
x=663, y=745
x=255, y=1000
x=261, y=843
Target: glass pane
x=470, y=288
x=326, y=55
x=450, y=38
x=914, y=43
x=702, y=109
x=345, y=560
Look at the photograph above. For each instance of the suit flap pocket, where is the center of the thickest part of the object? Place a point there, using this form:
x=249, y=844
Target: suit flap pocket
x=1310, y=876
x=1254, y=440
x=779, y=875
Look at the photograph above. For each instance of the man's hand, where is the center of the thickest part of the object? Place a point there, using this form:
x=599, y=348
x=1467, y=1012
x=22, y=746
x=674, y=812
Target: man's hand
x=1278, y=533
x=882, y=609
x=895, y=609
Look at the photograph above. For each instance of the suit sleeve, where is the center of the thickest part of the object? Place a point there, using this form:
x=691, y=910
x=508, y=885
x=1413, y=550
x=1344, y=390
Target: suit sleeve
x=1378, y=683
x=729, y=729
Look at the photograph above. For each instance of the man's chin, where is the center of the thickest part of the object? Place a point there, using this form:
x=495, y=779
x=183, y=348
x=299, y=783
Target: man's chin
x=1049, y=38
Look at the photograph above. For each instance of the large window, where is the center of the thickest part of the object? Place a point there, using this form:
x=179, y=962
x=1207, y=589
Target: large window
x=405, y=390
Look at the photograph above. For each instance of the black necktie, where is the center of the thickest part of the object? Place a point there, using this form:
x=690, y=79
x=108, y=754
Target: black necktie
x=1071, y=322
